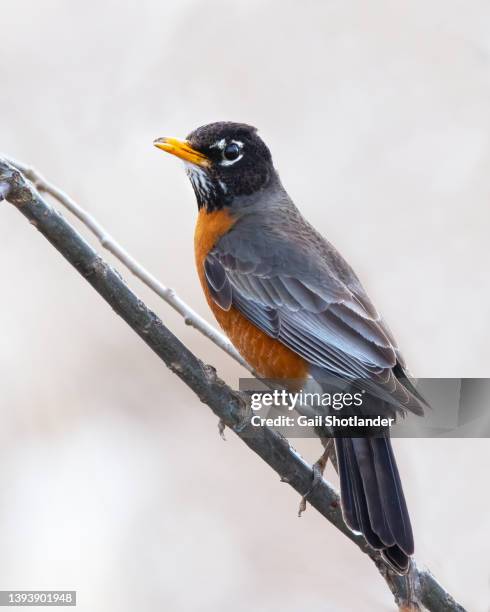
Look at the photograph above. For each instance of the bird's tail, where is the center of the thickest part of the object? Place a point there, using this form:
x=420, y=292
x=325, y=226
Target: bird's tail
x=372, y=497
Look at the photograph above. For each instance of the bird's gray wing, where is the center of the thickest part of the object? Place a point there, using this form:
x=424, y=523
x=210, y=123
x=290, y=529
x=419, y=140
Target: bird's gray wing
x=313, y=306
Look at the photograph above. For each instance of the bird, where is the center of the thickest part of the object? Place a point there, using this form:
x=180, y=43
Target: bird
x=295, y=310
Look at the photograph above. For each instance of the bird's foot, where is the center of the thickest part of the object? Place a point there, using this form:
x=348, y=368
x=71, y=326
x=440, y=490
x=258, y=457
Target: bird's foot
x=221, y=429
x=318, y=470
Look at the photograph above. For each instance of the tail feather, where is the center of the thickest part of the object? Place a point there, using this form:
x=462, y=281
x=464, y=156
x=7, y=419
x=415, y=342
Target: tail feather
x=396, y=558
x=372, y=497
x=391, y=492
x=346, y=487
x=364, y=455
x=360, y=499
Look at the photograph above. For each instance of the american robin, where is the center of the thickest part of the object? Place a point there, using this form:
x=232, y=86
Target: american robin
x=295, y=310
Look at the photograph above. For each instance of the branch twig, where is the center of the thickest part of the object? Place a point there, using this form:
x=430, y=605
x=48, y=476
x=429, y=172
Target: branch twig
x=227, y=404
x=191, y=317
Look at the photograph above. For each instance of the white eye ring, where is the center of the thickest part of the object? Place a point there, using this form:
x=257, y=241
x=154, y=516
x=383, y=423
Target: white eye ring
x=221, y=145
x=237, y=148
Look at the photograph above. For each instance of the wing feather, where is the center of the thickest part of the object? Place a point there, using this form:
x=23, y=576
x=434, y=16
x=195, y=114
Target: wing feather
x=328, y=321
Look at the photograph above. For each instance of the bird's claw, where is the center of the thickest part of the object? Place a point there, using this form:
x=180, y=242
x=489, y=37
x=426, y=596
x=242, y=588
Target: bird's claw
x=221, y=429
x=318, y=469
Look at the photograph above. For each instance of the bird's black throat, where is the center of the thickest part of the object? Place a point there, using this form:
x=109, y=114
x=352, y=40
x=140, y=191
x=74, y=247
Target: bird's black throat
x=210, y=192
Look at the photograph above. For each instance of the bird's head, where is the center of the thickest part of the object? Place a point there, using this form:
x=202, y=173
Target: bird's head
x=225, y=162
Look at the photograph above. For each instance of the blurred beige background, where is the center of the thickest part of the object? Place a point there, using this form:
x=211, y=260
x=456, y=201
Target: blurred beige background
x=114, y=480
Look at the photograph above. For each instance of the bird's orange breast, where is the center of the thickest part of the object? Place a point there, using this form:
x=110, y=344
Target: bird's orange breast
x=267, y=356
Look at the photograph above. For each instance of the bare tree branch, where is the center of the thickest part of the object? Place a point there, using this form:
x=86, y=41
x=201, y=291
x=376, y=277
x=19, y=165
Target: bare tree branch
x=108, y=242
x=230, y=406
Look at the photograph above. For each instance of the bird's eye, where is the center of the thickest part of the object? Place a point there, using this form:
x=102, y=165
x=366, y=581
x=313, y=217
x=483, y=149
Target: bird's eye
x=231, y=152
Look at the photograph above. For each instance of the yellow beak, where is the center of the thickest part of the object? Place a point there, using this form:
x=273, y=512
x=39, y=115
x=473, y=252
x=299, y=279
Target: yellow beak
x=182, y=149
